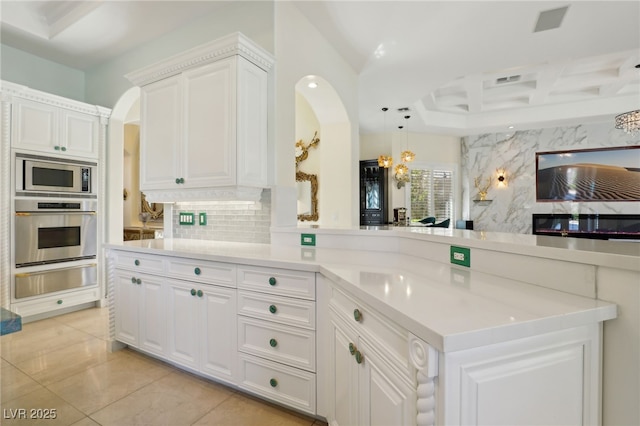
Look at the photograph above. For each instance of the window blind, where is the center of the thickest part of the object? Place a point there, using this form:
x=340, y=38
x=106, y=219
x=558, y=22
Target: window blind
x=431, y=194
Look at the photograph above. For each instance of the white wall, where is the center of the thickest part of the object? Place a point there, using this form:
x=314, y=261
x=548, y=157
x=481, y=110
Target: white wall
x=512, y=207
x=38, y=73
x=300, y=51
x=105, y=83
x=430, y=150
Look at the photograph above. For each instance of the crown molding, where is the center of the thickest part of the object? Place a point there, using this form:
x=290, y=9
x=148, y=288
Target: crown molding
x=225, y=47
x=11, y=90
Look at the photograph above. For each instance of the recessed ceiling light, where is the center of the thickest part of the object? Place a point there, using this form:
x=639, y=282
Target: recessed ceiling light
x=380, y=51
x=312, y=84
x=511, y=127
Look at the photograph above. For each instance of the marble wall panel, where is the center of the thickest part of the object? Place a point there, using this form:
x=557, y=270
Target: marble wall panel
x=512, y=206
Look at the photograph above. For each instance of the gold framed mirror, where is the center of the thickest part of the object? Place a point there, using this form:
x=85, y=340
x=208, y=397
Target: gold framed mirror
x=307, y=187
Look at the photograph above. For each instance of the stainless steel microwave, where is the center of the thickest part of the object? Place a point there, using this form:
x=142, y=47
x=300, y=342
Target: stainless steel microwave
x=38, y=176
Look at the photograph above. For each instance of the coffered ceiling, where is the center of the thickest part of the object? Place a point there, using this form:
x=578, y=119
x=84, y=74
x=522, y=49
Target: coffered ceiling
x=461, y=67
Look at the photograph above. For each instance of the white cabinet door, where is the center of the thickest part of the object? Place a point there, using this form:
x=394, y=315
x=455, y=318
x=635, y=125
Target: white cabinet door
x=52, y=130
x=202, y=332
x=251, y=124
x=343, y=368
x=385, y=399
x=80, y=134
x=209, y=125
x=35, y=126
x=127, y=297
x=205, y=128
x=183, y=329
x=365, y=387
x=160, y=134
x=218, y=334
x=153, y=315
x=546, y=379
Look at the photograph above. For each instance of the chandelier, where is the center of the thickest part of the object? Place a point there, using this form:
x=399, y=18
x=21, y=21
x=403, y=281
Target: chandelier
x=629, y=122
x=400, y=171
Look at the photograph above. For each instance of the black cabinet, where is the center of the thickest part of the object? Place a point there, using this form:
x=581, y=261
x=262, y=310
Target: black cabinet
x=374, y=194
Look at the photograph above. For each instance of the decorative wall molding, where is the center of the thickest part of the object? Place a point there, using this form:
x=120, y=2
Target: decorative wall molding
x=111, y=276
x=233, y=44
x=5, y=201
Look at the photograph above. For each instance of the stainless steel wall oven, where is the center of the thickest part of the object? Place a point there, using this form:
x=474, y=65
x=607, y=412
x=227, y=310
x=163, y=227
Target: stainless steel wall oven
x=51, y=231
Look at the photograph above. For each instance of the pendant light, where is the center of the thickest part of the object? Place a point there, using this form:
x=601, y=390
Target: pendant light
x=401, y=171
x=385, y=161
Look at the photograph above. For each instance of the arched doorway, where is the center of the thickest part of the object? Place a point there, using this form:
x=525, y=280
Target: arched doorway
x=318, y=105
x=114, y=164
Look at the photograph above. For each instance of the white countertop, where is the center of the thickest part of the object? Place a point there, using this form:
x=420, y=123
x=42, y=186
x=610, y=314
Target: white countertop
x=449, y=307
x=454, y=309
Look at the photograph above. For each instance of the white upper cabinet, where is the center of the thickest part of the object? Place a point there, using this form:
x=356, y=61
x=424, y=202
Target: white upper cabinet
x=80, y=133
x=160, y=107
x=203, y=131
x=49, y=124
x=50, y=129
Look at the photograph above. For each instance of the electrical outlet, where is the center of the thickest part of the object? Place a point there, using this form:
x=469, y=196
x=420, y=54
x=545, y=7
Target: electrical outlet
x=460, y=256
x=308, y=239
x=186, y=218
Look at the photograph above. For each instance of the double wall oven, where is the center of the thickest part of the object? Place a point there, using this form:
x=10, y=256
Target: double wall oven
x=55, y=225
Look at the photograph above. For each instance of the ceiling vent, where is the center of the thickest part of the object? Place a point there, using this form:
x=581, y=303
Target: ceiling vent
x=550, y=19
x=508, y=79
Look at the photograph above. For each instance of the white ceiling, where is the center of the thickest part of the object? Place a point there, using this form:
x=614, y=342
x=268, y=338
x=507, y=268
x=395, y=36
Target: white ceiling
x=444, y=60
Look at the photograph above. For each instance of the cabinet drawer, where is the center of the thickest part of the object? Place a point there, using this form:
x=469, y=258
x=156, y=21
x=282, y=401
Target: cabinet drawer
x=282, y=282
x=138, y=262
x=287, y=385
x=284, y=310
x=289, y=345
x=390, y=338
x=203, y=271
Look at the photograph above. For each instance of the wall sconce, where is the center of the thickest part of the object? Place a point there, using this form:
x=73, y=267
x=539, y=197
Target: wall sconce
x=502, y=178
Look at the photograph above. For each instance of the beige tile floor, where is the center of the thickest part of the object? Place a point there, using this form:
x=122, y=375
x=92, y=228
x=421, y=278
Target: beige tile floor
x=61, y=367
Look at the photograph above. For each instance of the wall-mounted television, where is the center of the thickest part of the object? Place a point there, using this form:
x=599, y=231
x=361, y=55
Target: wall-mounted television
x=602, y=174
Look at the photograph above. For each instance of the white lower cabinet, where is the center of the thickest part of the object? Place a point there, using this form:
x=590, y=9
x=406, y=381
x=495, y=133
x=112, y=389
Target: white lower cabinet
x=140, y=311
x=367, y=388
x=202, y=328
x=378, y=373
x=256, y=328
x=181, y=310
x=551, y=379
x=277, y=336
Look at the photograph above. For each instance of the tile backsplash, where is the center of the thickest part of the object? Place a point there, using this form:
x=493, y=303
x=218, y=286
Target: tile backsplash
x=235, y=221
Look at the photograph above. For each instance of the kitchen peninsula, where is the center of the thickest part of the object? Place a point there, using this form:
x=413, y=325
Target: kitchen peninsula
x=385, y=314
